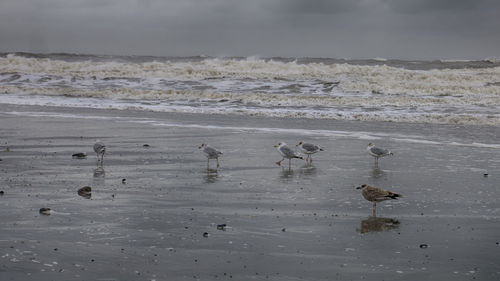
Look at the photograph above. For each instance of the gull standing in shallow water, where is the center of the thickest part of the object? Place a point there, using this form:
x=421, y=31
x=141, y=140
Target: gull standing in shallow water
x=309, y=149
x=286, y=152
x=100, y=149
x=375, y=194
x=211, y=153
x=377, y=152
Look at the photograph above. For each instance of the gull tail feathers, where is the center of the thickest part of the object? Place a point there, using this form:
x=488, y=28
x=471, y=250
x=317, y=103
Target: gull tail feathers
x=394, y=195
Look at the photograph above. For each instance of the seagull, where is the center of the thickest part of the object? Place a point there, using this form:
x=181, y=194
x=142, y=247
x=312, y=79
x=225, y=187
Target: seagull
x=309, y=149
x=211, y=153
x=377, y=152
x=100, y=149
x=286, y=152
x=375, y=194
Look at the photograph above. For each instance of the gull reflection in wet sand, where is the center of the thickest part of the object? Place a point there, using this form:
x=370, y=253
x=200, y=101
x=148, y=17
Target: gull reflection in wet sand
x=376, y=224
x=286, y=175
x=211, y=175
x=377, y=172
x=98, y=178
x=308, y=170
x=99, y=172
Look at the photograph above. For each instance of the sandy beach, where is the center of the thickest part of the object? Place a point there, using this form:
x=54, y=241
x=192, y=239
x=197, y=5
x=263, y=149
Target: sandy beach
x=156, y=213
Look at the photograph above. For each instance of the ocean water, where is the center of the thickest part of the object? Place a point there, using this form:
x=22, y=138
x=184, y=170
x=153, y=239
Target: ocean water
x=445, y=92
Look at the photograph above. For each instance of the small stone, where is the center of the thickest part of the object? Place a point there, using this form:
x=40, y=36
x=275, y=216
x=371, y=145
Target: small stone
x=485, y=174
x=85, y=192
x=283, y=229
x=124, y=181
x=424, y=246
x=79, y=155
x=45, y=211
x=221, y=226
x=2, y=192
x=205, y=234
x=146, y=145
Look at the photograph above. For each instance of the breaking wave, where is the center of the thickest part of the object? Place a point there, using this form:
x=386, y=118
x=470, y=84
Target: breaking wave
x=278, y=88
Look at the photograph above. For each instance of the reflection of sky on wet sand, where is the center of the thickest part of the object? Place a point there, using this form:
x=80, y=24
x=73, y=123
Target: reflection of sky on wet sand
x=304, y=222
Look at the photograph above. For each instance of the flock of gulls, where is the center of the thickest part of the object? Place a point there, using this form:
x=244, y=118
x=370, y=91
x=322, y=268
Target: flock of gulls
x=370, y=193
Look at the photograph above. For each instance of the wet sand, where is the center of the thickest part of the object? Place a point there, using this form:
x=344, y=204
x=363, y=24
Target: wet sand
x=154, y=210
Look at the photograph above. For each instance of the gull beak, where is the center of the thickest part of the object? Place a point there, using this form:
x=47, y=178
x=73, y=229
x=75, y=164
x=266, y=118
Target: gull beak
x=359, y=187
x=275, y=145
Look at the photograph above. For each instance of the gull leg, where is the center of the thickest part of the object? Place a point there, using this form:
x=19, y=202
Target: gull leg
x=208, y=163
x=289, y=163
x=374, y=209
x=217, y=163
x=310, y=159
x=279, y=162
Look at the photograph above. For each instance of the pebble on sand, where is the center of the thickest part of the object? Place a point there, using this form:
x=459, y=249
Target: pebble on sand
x=424, y=246
x=2, y=192
x=85, y=192
x=221, y=226
x=79, y=155
x=205, y=234
x=45, y=211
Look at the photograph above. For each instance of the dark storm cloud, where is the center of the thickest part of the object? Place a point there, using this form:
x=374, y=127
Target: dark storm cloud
x=422, y=6
x=342, y=28
x=315, y=6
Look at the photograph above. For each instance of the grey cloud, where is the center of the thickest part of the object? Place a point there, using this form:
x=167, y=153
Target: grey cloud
x=344, y=28
x=423, y=6
x=315, y=6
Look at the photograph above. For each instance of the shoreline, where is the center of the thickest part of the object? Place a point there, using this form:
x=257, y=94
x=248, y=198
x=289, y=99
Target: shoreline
x=319, y=127
x=169, y=106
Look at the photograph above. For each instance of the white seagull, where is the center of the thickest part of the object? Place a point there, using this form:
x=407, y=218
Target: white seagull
x=100, y=149
x=309, y=149
x=377, y=152
x=211, y=153
x=375, y=194
x=286, y=152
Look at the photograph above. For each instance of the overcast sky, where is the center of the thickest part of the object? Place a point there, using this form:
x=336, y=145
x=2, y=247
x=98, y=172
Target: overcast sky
x=406, y=29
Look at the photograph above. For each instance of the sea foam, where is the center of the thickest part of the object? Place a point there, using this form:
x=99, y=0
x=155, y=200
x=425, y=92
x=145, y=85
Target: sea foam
x=263, y=87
